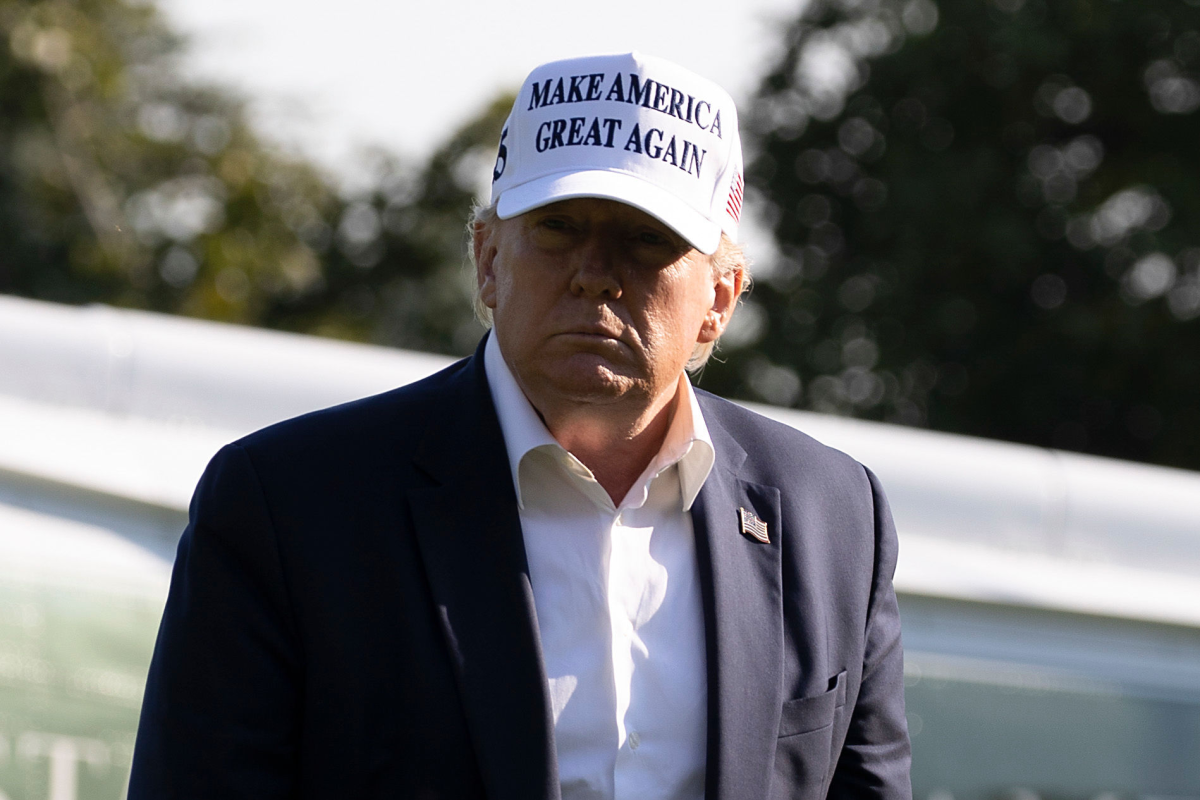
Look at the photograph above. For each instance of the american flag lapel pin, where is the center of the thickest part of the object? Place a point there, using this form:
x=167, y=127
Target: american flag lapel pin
x=753, y=527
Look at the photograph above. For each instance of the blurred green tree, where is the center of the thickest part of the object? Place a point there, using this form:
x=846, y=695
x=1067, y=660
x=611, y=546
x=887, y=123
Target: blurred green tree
x=122, y=183
x=985, y=212
x=988, y=221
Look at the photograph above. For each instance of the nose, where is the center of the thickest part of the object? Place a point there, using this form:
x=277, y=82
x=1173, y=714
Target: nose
x=596, y=269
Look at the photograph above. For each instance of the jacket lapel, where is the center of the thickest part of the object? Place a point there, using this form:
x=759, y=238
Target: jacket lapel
x=743, y=621
x=469, y=534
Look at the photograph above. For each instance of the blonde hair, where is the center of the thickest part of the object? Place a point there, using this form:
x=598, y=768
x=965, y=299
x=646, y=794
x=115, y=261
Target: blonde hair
x=728, y=258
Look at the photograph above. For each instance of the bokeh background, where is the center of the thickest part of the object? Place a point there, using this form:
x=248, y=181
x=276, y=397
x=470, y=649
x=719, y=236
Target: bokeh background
x=974, y=216
x=979, y=217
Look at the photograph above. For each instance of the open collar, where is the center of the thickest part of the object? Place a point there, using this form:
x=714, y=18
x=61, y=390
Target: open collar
x=687, y=443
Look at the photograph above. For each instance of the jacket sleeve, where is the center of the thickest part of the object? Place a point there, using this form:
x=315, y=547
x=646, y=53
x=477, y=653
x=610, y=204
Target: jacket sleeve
x=221, y=711
x=875, y=759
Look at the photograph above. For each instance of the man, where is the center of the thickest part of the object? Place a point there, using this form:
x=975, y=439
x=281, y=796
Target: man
x=553, y=569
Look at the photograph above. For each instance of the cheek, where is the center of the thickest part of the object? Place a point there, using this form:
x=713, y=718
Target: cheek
x=501, y=290
x=507, y=292
x=692, y=301
x=524, y=298
x=675, y=322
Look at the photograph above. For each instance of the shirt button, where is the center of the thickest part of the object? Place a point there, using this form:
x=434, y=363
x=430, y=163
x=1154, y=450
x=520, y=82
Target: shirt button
x=619, y=520
x=634, y=740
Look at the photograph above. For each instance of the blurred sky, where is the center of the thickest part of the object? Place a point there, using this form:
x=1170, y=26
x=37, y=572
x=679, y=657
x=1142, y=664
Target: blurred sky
x=330, y=77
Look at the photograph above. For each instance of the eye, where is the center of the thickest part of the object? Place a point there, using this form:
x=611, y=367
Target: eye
x=660, y=241
x=554, y=224
x=654, y=238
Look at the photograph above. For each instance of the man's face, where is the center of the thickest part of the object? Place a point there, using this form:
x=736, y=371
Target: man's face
x=595, y=301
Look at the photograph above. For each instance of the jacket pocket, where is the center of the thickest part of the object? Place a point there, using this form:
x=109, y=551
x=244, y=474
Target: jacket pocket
x=806, y=714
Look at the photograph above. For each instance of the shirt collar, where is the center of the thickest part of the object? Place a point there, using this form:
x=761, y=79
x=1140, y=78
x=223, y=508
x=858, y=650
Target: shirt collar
x=687, y=441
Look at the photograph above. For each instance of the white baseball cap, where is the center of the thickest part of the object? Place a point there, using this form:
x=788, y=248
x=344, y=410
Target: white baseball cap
x=632, y=128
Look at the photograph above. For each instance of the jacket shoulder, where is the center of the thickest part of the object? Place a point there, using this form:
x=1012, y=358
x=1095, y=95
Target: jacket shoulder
x=775, y=450
x=759, y=433
x=395, y=419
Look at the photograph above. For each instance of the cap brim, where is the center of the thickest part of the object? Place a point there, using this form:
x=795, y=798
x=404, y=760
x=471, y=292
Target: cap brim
x=623, y=187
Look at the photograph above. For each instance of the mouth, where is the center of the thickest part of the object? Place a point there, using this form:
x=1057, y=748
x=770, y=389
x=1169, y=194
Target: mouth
x=597, y=342
x=593, y=332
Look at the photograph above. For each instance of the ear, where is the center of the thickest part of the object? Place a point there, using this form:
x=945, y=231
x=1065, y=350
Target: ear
x=485, y=262
x=727, y=289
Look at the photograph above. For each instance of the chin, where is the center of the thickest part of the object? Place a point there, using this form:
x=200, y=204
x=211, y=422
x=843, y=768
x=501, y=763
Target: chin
x=596, y=381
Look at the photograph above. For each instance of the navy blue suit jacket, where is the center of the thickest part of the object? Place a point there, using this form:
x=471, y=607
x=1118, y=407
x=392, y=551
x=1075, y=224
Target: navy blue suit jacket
x=350, y=615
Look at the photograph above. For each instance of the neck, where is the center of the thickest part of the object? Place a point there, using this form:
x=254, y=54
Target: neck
x=616, y=444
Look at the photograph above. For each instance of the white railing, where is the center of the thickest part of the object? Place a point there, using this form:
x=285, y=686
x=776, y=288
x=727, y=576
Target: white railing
x=132, y=404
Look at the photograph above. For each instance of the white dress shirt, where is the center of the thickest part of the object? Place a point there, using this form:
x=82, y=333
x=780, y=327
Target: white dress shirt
x=617, y=596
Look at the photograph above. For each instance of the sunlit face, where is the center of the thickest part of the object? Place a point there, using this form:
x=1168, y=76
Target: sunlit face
x=595, y=301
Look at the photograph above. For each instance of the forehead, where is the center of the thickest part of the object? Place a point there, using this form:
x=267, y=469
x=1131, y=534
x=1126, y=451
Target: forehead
x=600, y=209
x=604, y=212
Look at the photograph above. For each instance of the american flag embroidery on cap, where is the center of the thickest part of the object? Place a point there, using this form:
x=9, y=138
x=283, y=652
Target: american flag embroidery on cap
x=753, y=527
x=734, y=206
